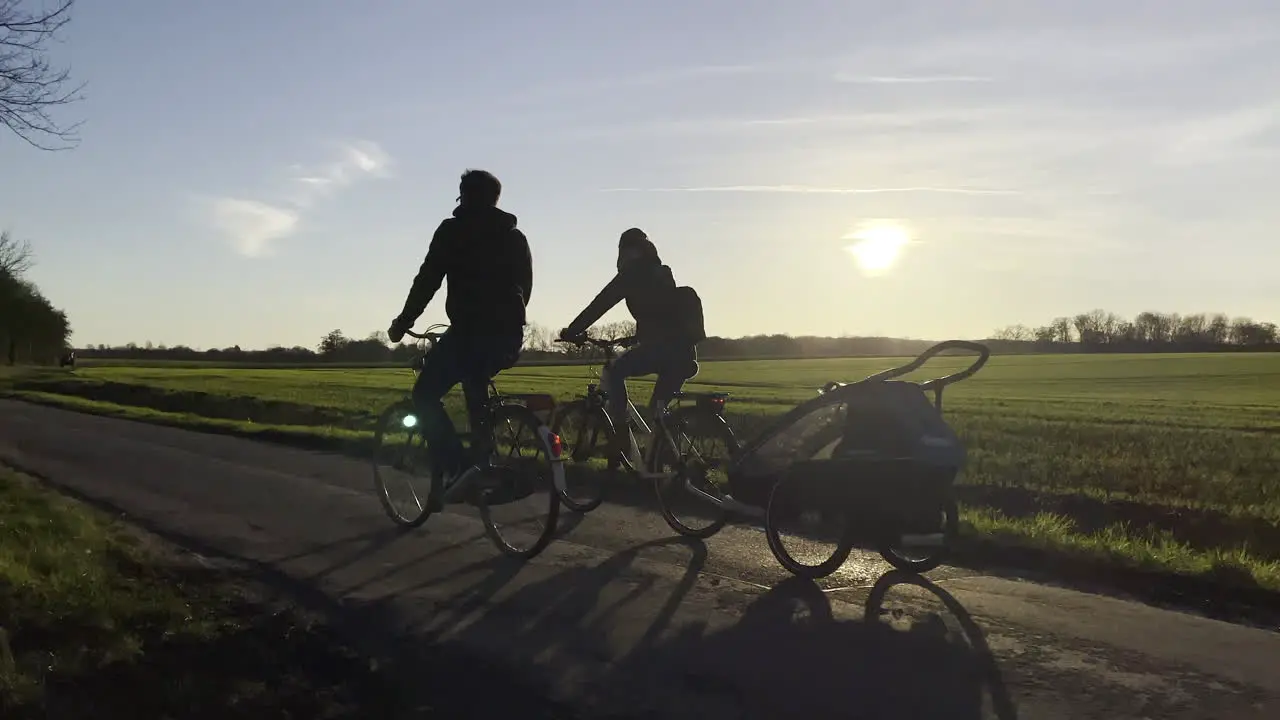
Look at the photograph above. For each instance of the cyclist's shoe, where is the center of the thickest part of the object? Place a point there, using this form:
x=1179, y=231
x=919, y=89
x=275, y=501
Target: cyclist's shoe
x=441, y=482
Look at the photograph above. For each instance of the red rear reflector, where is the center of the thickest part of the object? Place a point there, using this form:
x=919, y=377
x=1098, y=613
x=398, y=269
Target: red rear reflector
x=557, y=448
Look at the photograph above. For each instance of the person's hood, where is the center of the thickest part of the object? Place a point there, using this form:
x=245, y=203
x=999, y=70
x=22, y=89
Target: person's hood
x=640, y=263
x=486, y=215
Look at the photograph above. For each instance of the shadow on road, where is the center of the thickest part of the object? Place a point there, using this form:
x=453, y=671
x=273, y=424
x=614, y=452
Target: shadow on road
x=790, y=655
x=574, y=598
x=1001, y=704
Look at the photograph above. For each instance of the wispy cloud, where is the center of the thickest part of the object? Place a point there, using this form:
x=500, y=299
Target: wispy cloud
x=1221, y=136
x=658, y=77
x=253, y=226
x=870, y=120
x=817, y=189
x=910, y=79
x=355, y=161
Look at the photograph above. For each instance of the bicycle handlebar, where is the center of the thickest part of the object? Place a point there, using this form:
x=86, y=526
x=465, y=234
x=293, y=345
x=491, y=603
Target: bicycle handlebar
x=602, y=343
x=428, y=334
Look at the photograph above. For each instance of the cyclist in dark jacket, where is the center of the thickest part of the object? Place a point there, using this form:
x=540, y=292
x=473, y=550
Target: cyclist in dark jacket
x=490, y=271
x=662, y=347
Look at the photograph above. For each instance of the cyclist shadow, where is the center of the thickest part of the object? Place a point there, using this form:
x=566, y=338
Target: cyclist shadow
x=789, y=656
x=567, y=614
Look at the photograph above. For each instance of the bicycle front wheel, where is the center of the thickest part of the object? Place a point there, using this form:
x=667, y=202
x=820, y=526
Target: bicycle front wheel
x=517, y=497
x=585, y=433
x=808, y=540
x=401, y=466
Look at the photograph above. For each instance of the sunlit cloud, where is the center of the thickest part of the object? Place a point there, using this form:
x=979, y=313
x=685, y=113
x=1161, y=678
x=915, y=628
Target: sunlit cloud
x=254, y=227
x=356, y=161
x=816, y=190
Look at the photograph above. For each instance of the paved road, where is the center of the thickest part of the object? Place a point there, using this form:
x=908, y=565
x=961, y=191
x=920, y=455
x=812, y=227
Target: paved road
x=624, y=621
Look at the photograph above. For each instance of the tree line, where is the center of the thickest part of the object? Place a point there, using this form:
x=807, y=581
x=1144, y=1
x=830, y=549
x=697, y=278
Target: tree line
x=32, y=330
x=1096, y=331
x=540, y=346
x=1102, y=331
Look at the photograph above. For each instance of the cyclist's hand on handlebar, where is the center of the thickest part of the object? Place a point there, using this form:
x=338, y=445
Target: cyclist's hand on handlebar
x=395, y=333
x=571, y=337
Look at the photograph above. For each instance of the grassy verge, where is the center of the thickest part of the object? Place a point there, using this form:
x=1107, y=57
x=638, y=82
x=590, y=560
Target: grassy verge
x=995, y=529
x=98, y=621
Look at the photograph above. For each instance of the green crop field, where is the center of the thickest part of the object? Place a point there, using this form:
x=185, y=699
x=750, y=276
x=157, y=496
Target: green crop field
x=1163, y=449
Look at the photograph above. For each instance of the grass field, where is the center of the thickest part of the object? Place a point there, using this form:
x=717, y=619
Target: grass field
x=98, y=620
x=1161, y=460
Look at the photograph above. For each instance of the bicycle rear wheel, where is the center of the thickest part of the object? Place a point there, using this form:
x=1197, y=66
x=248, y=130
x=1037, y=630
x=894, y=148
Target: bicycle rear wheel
x=401, y=466
x=928, y=558
x=517, y=497
x=704, y=444
x=585, y=433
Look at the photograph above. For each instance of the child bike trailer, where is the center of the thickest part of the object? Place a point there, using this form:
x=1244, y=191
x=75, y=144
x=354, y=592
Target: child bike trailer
x=871, y=462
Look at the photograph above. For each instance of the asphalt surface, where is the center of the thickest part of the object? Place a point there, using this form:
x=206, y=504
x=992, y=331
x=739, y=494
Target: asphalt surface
x=619, y=619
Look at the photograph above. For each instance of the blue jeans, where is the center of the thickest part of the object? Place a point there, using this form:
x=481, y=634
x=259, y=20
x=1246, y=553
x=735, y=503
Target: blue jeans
x=673, y=364
x=470, y=359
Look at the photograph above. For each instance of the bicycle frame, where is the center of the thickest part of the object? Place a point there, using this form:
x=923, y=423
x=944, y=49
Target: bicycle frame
x=454, y=487
x=642, y=461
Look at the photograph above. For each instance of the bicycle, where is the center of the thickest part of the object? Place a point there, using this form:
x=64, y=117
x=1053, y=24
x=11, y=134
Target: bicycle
x=486, y=482
x=590, y=429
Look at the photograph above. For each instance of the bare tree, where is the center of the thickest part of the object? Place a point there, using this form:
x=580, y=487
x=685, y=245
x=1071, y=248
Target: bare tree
x=332, y=342
x=1015, y=333
x=615, y=329
x=1061, y=329
x=1219, y=330
x=538, y=338
x=30, y=87
x=15, y=257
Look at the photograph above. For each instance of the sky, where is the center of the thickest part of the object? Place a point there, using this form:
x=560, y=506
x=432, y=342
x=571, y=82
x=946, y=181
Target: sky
x=259, y=173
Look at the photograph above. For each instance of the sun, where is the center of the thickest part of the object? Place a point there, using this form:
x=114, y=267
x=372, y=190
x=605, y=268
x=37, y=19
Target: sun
x=878, y=246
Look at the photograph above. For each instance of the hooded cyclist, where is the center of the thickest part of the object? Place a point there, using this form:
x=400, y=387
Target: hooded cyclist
x=668, y=325
x=490, y=271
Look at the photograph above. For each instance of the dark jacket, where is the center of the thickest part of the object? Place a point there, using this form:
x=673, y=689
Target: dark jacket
x=489, y=268
x=645, y=284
